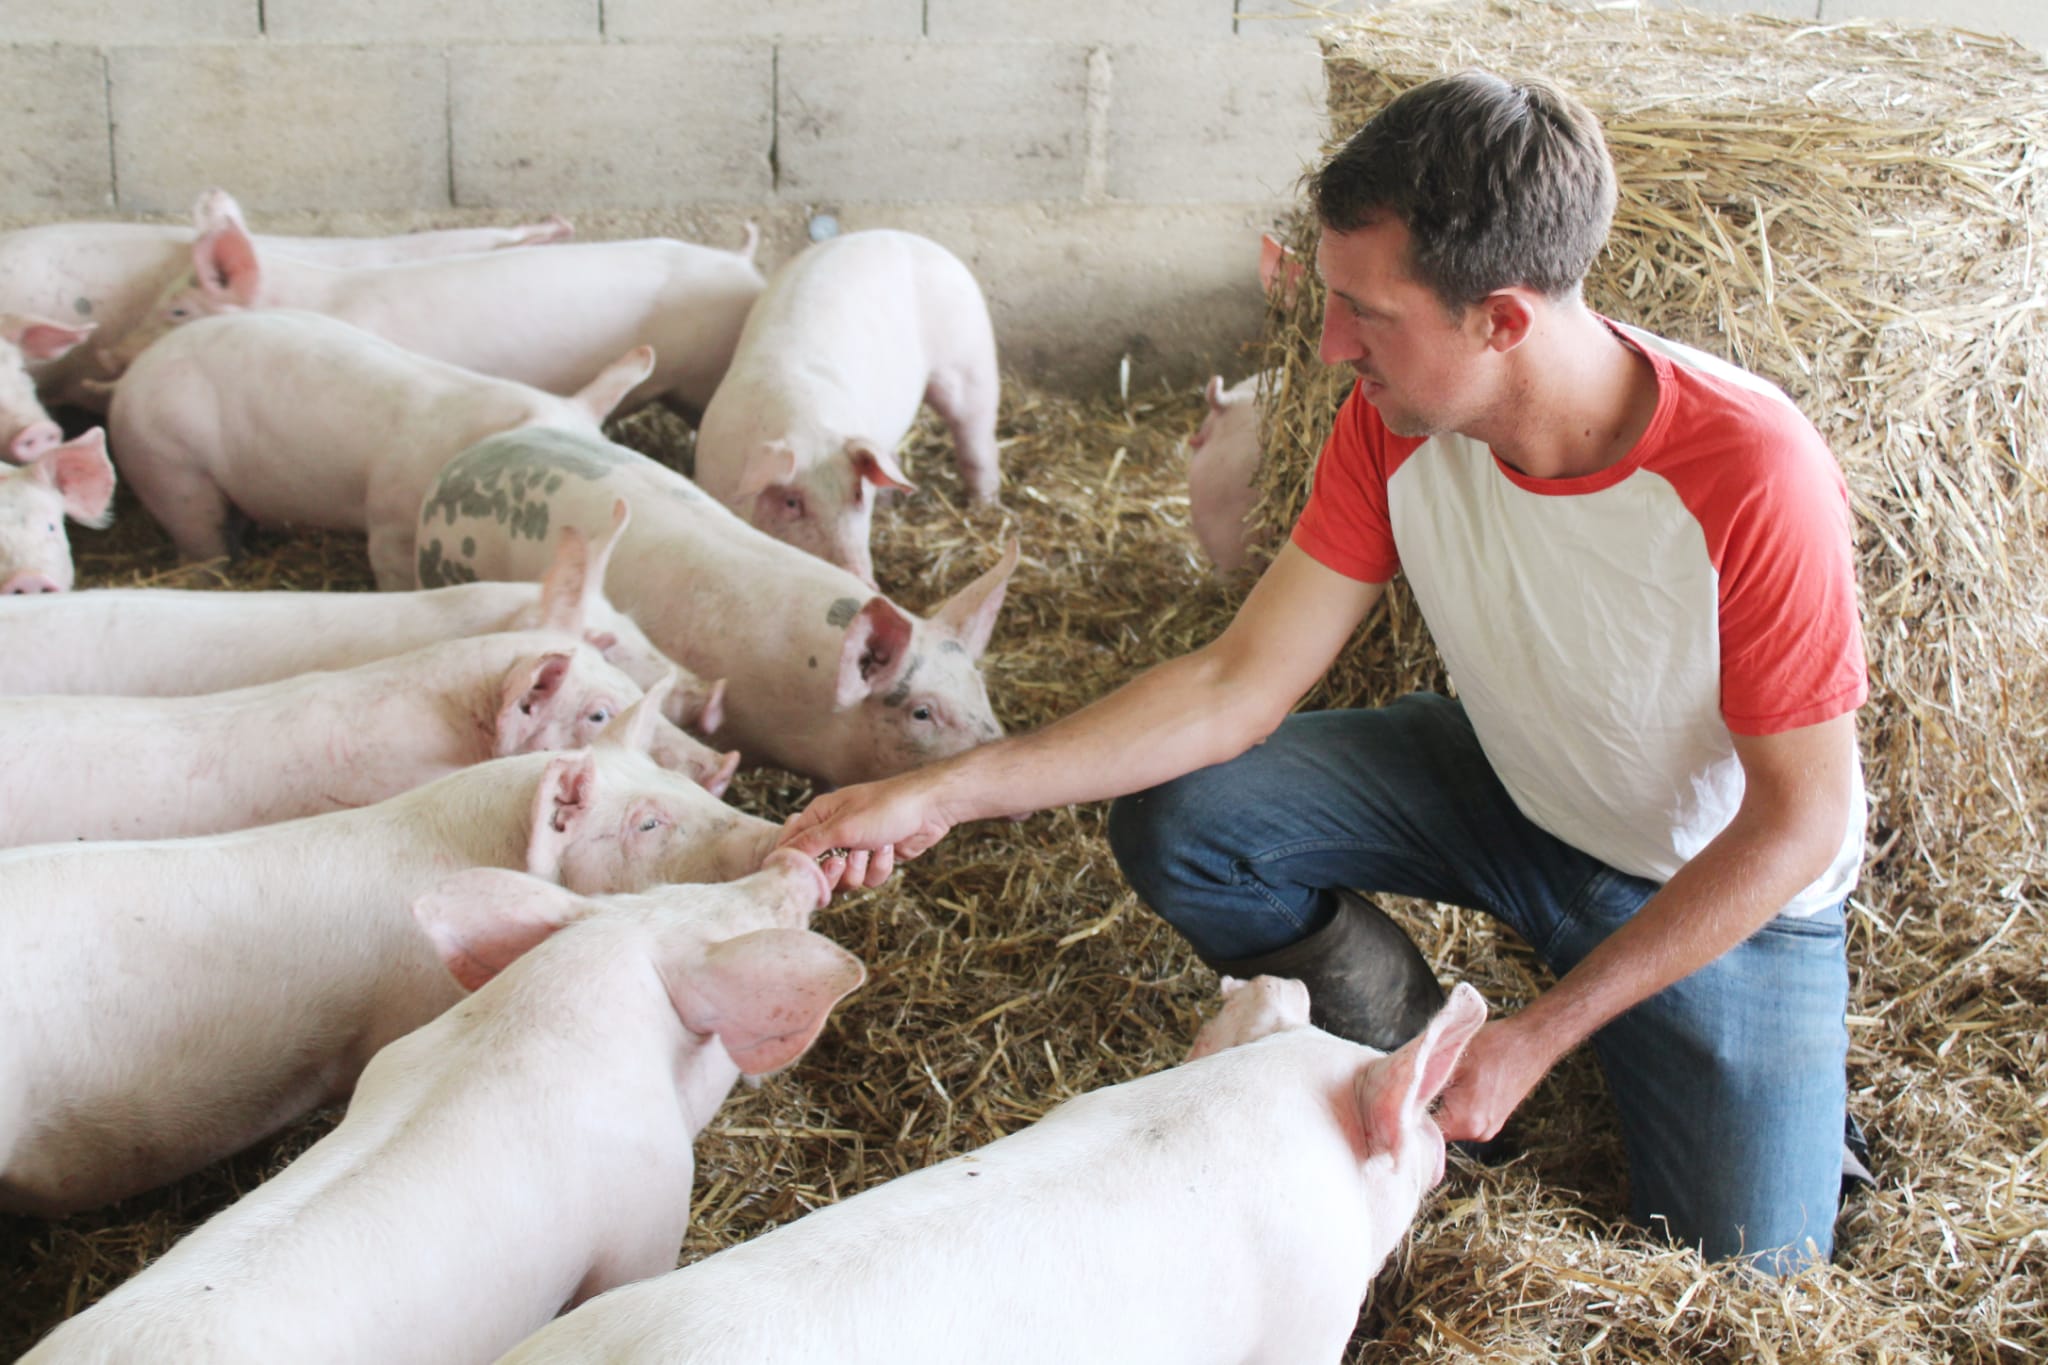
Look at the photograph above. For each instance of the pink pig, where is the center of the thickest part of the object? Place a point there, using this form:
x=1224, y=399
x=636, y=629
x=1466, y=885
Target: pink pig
x=1223, y=462
x=294, y=418
x=1229, y=1211
x=164, y=642
x=167, y=767
x=845, y=342
x=104, y=276
x=26, y=431
x=74, y=480
x=524, y=1151
x=165, y=1003
x=551, y=317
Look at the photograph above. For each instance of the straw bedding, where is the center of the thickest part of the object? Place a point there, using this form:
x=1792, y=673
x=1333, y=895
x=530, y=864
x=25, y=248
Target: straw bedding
x=1010, y=968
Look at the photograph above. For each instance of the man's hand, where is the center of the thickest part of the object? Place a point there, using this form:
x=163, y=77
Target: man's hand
x=874, y=824
x=1500, y=1067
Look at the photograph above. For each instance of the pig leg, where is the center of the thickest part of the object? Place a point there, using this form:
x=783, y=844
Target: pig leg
x=187, y=503
x=966, y=398
x=392, y=560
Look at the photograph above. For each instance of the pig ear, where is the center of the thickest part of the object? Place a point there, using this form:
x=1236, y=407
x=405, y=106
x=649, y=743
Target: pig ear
x=41, y=339
x=633, y=728
x=772, y=464
x=565, y=588
x=1394, y=1092
x=601, y=551
x=81, y=472
x=215, y=207
x=482, y=920
x=711, y=714
x=224, y=260
x=766, y=994
x=565, y=800
x=614, y=382
x=970, y=614
x=1280, y=273
x=876, y=649
x=872, y=464
x=1214, y=393
x=532, y=688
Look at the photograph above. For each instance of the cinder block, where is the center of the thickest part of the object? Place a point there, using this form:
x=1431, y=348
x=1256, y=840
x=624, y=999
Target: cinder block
x=1088, y=21
x=2026, y=20
x=613, y=124
x=282, y=127
x=936, y=121
x=445, y=21
x=1228, y=121
x=98, y=22
x=1295, y=20
x=54, y=159
x=723, y=21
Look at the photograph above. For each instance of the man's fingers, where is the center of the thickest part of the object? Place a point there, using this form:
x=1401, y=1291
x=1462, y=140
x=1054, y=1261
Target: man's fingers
x=880, y=865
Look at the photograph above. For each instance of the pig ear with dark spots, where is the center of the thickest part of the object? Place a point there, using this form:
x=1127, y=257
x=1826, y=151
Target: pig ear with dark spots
x=970, y=614
x=482, y=920
x=874, y=653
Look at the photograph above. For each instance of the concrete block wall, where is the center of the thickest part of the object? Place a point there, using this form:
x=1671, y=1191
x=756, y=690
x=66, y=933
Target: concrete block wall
x=1104, y=167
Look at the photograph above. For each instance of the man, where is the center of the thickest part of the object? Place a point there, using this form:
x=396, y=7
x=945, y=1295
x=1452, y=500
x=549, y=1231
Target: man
x=1635, y=560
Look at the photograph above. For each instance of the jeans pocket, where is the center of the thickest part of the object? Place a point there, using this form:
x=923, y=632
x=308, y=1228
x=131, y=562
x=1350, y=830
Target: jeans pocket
x=1824, y=924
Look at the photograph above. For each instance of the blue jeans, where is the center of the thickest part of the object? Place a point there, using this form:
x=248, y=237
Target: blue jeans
x=1731, y=1083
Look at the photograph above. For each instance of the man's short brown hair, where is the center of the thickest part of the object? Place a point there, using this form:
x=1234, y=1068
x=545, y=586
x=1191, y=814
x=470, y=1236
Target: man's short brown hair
x=1498, y=182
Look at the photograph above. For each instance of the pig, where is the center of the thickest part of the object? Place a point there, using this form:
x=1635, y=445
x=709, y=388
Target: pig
x=75, y=480
x=164, y=642
x=827, y=679
x=546, y=316
x=1223, y=462
x=168, y=767
x=165, y=1003
x=524, y=1151
x=291, y=417
x=841, y=347
x=1232, y=1210
x=26, y=430
x=104, y=276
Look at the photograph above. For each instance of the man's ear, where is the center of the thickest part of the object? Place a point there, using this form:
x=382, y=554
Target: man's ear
x=1507, y=315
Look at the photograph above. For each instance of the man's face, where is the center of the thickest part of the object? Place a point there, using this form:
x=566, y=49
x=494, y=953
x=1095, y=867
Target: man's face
x=1417, y=364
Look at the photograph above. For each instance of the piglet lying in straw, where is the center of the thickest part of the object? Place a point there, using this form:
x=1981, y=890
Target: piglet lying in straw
x=163, y=1004
x=526, y=1150
x=1231, y=1210
x=163, y=642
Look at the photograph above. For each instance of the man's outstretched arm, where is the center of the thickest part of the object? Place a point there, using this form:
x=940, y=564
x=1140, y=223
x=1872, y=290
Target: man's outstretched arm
x=1187, y=713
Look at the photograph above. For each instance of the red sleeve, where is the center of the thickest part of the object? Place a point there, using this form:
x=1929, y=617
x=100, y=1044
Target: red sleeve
x=1791, y=643
x=1345, y=525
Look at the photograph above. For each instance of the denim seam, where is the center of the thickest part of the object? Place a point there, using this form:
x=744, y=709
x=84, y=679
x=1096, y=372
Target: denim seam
x=1260, y=887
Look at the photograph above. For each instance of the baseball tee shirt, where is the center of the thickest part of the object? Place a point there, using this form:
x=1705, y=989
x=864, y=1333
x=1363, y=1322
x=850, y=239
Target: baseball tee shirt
x=1610, y=634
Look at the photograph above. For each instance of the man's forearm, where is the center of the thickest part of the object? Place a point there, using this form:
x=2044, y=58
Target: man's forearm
x=1183, y=715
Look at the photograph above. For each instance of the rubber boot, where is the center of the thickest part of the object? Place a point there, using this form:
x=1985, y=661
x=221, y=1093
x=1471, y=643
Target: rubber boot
x=1366, y=979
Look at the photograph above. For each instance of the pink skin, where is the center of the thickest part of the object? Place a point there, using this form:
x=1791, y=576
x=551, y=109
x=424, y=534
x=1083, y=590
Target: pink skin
x=74, y=480
x=826, y=678
x=844, y=344
x=1223, y=461
x=107, y=274
x=1230, y=1211
x=602, y=1037
x=294, y=418
x=1252, y=1010
x=547, y=317
x=26, y=431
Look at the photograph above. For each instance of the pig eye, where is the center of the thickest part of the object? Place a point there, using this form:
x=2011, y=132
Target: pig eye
x=599, y=716
x=793, y=505
x=650, y=824
x=180, y=314
x=920, y=713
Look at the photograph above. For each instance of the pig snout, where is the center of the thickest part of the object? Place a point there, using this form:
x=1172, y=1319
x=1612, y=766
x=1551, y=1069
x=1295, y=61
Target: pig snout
x=22, y=584
x=809, y=889
x=32, y=440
